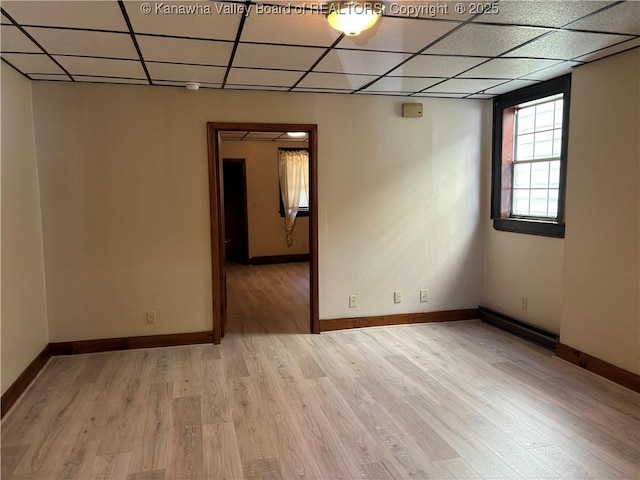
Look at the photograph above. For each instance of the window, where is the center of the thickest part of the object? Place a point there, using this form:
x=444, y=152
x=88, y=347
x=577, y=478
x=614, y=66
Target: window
x=530, y=129
x=303, y=203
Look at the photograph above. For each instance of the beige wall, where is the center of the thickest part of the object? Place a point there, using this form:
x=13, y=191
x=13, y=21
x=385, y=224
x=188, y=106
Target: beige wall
x=601, y=287
x=266, y=227
x=125, y=203
x=24, y=310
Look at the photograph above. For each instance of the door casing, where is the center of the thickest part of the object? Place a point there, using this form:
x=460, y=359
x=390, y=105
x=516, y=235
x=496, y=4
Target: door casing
x=216, y=212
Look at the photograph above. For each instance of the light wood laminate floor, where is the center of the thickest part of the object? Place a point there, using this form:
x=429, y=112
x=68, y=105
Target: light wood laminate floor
x=456, y=400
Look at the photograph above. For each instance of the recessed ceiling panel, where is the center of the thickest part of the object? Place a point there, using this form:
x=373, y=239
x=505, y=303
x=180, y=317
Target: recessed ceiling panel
x=335, y=81
x=621, y=47
x=186, y=73
x=508, y=68
x=180, y=50
x=509, y=86
x=80, y=42
x=195, y=18
x=32, y=63
x=249, y=76
x=487, y=40
x=101, y=15
x=464, y=85
x=102, y=67
x=294, y=28
x=436, y=66
x=276, y=57
x=566, y=45
x=398, y=35
x=49, y=76
x=548, y=73
x=89, y=78
x=13, y=40
x=402, y=84
x=622, y=18
x=364, y=62
x=543, y=13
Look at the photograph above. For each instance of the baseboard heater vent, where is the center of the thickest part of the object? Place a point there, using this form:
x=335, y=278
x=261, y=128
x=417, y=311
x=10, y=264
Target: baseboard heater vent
x=529, y=332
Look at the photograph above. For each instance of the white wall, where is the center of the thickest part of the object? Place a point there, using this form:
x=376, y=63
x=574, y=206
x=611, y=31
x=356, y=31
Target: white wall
x=125, y=203
x=266, y=227
x=601, y=311
x=23, y=311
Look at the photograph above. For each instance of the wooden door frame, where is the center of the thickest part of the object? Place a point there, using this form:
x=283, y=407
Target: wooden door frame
x=243, y=163
x=216, y=212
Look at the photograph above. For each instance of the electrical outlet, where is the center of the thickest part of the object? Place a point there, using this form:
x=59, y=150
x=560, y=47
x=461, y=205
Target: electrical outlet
x=424, y=295
x=353, y=301
x=524, y=303
x=151, y=317
x=397, y=296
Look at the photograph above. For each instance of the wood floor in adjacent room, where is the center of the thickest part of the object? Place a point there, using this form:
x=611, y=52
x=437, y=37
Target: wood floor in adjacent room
x=451, y=400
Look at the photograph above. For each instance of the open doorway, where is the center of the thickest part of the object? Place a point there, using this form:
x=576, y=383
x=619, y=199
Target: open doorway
x=225, y=173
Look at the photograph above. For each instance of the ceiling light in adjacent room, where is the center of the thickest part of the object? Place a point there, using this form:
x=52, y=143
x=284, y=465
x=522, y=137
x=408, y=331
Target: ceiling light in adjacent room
x=296, y=134
x=352, y=17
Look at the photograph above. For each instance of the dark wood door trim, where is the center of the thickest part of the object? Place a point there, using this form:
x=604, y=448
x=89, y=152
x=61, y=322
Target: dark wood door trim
x=243, y=163
x=216, y=212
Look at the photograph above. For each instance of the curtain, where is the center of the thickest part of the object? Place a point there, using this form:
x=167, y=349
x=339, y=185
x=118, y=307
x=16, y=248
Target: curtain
x=293, y=170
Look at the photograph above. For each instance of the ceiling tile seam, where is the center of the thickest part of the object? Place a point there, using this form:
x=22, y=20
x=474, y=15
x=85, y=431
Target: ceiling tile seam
x=439, y=39
x=16, y=68
x=134, y=39
x=234, y=49
x=183, y=37
x=601, y=49
x=116, y=77
x=315, y=64
x=595, y=12
x=607, y=56
x=35, y=42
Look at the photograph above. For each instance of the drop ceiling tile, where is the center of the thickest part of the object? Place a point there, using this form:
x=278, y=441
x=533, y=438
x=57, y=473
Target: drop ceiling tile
x=509, y=87
x=335, y=81
x=278, y=57
x=254, y=87
x=58, y=78
x=102, y=67
x=621, y=47
x=249, y=76
x=186, y=73
x=464, y=85
x=480, y=97
x=548, y=73
x=544, y=13
x=322, y=90
x=440, y=95
x=76, y=14
x=622, y=18
x=402, y=84
x=89, y=78
x=436, y=66
x=262, y=135
x=181, y=50
x=5, y=20
x=214, y=20
x=508, y=68
x=79, y=42
x=32, y=63
x=295, y=28
x=487, y=40
x=398, y=35
x=13, y=40
x=566, y=45
x=364, y=62
x=384, y=94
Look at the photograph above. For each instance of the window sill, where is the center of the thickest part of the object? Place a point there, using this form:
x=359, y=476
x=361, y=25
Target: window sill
x=530, y=227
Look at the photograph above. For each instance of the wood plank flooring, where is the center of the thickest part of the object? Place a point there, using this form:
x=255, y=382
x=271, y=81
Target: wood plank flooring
x=456, y=400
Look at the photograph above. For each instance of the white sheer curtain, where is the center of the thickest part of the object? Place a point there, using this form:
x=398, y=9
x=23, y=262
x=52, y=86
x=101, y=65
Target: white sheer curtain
x=293, y=170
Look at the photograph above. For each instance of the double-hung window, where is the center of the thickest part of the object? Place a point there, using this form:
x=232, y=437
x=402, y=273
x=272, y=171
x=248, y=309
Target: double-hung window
x=530, y=130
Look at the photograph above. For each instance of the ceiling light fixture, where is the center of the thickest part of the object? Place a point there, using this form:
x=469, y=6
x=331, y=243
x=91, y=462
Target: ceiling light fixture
x=352, y=17
x=192, y=85
x=296, y=134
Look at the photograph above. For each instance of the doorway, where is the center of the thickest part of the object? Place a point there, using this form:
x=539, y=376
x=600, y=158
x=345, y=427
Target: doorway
x=217, y=199
x=236, y=226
